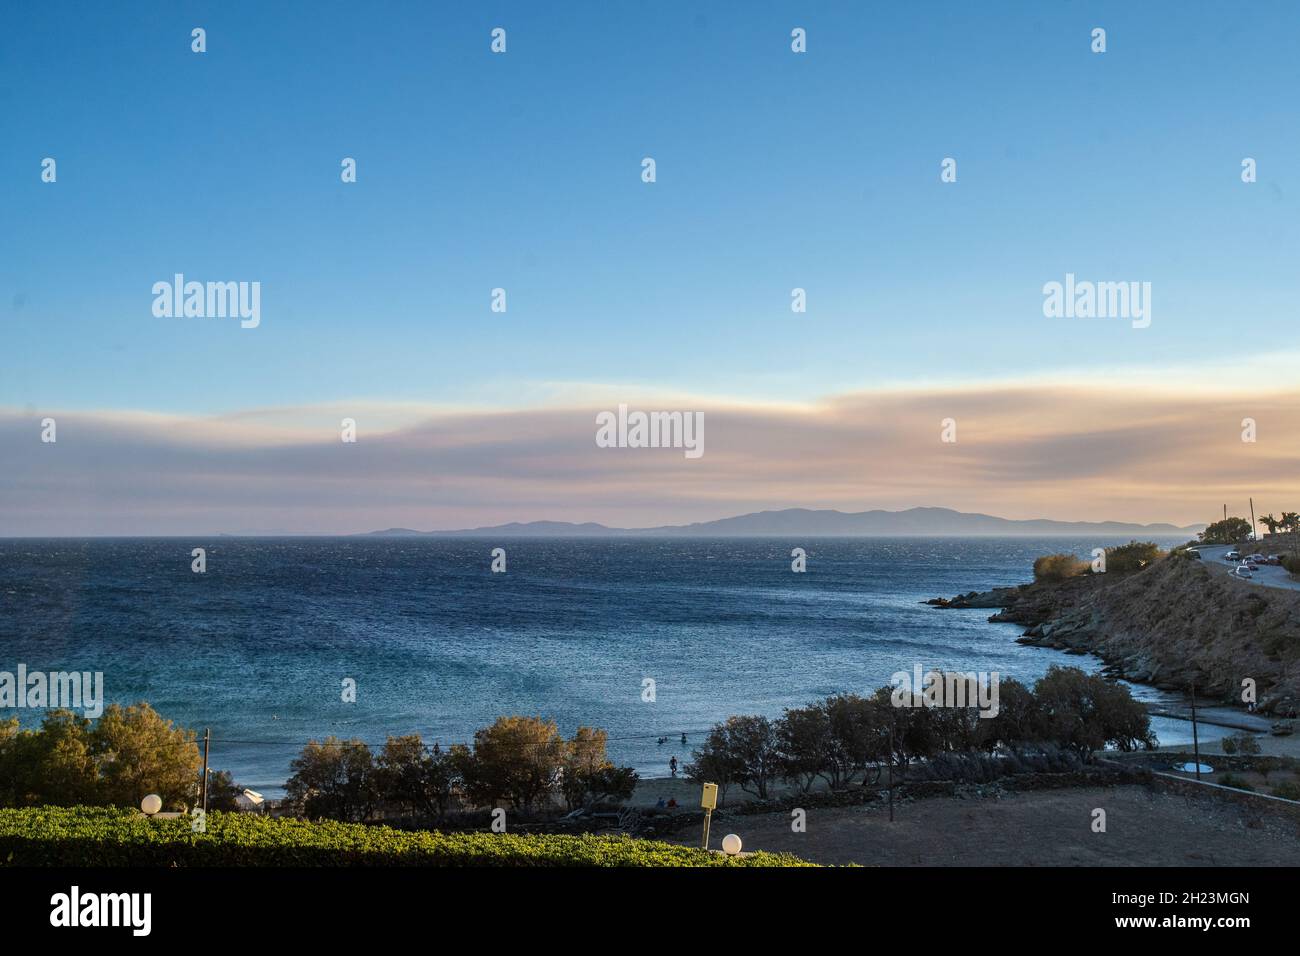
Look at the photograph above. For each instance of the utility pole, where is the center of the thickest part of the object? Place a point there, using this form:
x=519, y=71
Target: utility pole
x=1196, y=740
x=891, y=774
x=1252, y=519
x=207, y=738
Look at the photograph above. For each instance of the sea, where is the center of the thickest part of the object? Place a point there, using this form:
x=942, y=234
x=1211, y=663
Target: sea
x=647, y=638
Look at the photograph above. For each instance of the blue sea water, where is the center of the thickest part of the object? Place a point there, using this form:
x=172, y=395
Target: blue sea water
x=257, y=647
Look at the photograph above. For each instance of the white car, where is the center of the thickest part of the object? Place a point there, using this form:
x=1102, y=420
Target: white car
x=1240, y=571
x=1232, y=556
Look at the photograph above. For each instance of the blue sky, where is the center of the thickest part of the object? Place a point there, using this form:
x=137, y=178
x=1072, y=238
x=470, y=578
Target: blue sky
x=775, y=170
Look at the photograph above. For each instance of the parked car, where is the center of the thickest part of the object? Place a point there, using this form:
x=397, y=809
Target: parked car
x=1241, y=571
x=1193, y=553
x=1252, y=566
x=1232, y=556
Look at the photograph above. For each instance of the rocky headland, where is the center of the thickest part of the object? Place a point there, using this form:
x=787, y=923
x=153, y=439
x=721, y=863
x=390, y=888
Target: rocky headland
x=1172, y=625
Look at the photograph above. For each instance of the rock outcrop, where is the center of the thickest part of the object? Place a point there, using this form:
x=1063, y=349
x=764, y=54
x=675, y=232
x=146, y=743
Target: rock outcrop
x=1172, y=625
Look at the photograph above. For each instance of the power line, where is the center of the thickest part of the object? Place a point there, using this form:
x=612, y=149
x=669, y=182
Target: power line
x=299, y=742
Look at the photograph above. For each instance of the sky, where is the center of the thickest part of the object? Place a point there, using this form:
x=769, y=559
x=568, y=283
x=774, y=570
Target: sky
x=775, y=170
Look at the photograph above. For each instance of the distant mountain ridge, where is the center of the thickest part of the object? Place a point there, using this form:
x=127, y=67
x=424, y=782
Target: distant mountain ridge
x=826, y=523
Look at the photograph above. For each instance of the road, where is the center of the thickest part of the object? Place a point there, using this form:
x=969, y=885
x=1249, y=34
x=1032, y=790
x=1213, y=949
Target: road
x=1269, y=576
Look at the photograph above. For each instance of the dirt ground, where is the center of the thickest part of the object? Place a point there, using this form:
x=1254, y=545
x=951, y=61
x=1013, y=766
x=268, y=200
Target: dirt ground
x=1041, y=828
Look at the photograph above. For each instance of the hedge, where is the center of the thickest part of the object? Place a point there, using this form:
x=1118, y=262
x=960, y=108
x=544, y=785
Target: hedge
x=109, y=836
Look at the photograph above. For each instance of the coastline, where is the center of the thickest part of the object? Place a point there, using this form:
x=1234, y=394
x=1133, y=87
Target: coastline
x=1171, y=626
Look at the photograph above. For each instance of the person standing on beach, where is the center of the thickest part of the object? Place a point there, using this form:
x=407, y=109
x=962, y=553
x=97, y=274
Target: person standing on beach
x=672, y=765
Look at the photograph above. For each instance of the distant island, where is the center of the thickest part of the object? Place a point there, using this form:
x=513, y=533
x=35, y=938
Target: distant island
x=828, y=523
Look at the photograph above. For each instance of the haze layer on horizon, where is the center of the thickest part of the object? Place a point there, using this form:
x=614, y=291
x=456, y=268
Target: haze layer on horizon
x=1067, y=453
x=522, y=171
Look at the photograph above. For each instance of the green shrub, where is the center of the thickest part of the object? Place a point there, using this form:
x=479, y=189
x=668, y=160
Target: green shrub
x=1134, y=556
x=1237, y=783
x=1244, y=744
x=1292, y=563
x=1287, y=789
x=1058, y=567
x=107, y=836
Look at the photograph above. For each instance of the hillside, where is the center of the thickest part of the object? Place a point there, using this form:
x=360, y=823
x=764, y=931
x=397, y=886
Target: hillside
x=827, y=522
x=1172, y=624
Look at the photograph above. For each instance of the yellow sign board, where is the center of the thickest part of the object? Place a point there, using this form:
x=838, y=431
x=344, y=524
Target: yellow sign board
x=709, y=799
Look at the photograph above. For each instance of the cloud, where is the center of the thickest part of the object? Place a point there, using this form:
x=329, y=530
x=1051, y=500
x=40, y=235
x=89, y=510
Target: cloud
x=1074, y=451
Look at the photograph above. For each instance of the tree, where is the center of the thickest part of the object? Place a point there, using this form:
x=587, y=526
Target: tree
x=803, y=737
x=1228, y=531
x=1269, y=522
x=1291, y=524
x=1085, y=712
x=422, y=779
x=69, y=760
x=35, y=770
x=13, y=769
x=752, y=741
x=912, y=725
x=517, y=759
x=589, y=777
x=57, y=764
x=222, y=791
x=957, y=729
x=715, y=762
x=139, y=752
x=858, y=737
x=1019, y=720
x=334, y=779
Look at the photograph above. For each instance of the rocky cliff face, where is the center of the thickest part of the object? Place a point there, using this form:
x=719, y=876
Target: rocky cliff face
x=1172, y=624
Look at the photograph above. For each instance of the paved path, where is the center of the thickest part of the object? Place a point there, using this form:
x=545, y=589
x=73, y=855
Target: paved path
x=1268, y=575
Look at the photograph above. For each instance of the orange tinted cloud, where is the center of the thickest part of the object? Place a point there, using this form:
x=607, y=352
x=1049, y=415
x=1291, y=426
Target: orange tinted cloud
x=1071, y=452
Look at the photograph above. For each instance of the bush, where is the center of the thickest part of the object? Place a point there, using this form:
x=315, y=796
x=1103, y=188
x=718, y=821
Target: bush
x=1245, y=744
x=1057, y=567
x=1237, y=783
x=1287, y=789
x=95, y=836
x=1292, y=563
x=1134, y=556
